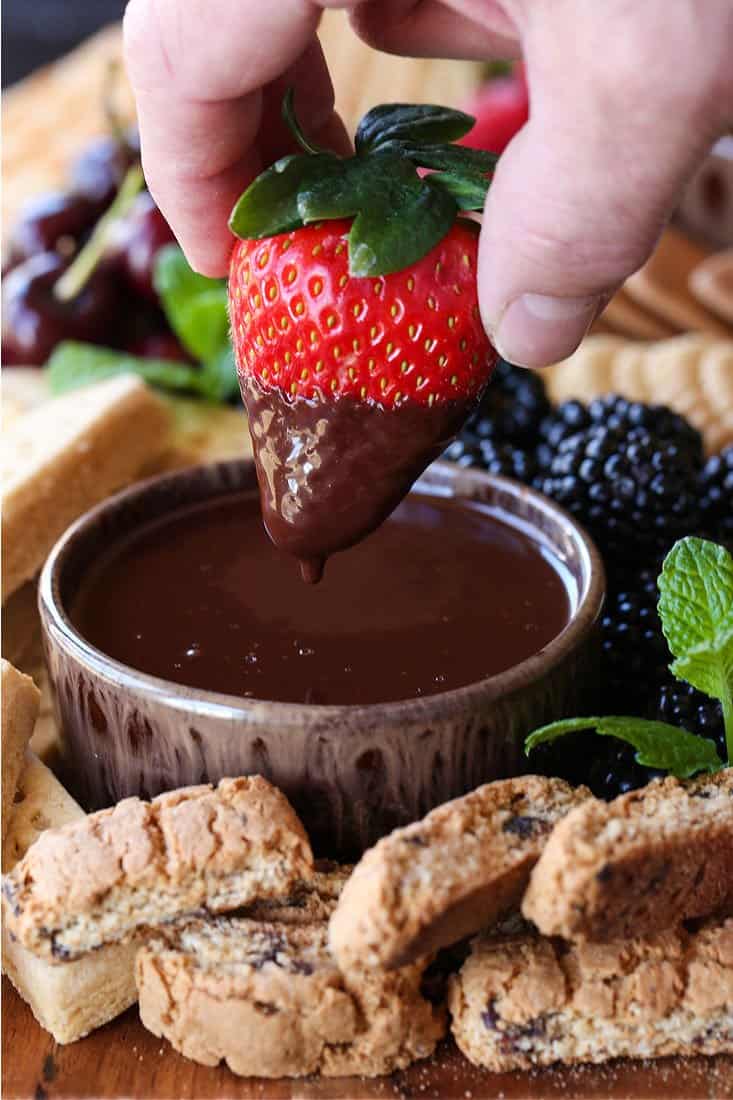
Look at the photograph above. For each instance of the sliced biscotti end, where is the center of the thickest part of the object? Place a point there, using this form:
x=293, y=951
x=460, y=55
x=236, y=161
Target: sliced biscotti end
x=20, y=702
x=311, y=902
x=645, y=861
x=140, y=863
x=434, y=882
x=523, y=1000
x=269, y=1000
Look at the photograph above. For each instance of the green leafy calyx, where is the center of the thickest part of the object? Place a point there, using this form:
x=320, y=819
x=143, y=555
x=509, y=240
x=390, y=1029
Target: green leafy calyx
x=398, y=214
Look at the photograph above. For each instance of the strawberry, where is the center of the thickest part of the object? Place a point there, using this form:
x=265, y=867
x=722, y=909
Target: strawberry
x=355, y=322
x=304, y=326
x=501, y=107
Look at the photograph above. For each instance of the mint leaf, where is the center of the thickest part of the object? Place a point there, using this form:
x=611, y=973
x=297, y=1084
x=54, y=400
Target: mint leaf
x=196, y=307
x=410, y=122
x=696, y=609
x=658, y=744
x=74, y=364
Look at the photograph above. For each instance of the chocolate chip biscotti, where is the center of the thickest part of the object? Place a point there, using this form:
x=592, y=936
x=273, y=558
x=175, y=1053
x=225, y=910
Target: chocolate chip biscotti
x=643, y=862
x=270, y=1001
x=432, y=883
x=140, y=863
x=523, y=1000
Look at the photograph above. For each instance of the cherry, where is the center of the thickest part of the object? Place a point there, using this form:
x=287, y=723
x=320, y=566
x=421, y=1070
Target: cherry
x=136, y=240
x=50, y=223
x=34, y=320
x=161, y=344
x=99, y=170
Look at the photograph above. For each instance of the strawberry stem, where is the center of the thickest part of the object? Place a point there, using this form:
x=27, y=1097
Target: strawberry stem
x=291, y=120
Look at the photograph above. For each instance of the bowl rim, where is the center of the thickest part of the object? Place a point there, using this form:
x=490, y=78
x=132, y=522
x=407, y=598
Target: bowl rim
x=59, y=630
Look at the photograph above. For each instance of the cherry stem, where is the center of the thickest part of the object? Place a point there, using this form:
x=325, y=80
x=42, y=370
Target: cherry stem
x=291, y=119
x=76, y=276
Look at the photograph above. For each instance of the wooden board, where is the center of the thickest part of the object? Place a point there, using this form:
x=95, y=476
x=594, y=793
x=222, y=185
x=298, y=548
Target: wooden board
x=124, y=1060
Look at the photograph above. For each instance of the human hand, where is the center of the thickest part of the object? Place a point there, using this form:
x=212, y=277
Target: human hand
x=625, y=100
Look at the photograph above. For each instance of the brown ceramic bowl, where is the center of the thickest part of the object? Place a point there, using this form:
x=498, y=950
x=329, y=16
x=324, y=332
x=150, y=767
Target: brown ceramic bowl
x=352, y=772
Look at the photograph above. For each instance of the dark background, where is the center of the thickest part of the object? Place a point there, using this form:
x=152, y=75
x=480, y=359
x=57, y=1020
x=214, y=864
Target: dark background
x=37, y=31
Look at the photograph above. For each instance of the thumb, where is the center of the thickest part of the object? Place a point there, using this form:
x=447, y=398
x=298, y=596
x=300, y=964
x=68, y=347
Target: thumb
x=582, y=192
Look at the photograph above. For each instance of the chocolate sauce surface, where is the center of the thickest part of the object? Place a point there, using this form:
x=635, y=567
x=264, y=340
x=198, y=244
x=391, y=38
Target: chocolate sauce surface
x=444, y=593
x=330, y=472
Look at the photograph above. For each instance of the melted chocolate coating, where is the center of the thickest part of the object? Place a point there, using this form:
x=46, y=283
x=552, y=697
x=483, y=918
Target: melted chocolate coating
x=331, y=472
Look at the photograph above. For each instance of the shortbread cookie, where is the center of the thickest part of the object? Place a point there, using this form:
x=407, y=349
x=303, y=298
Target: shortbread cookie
x=712, y=284
x=522, y=1001
x=20, y=700
x=71, y=1000
x=643, y=862
x=432, y=883
x=312, y=901
x=140, y=863
x=270, y=1001
x=66, y=455
x=662, y=285
x=629, y=318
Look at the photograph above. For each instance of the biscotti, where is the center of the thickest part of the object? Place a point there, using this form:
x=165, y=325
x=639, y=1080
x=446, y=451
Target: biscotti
x=139, y=863
x=66, y=455
x=270, y=1001
x=20, y=702
x=71, y=1000
x=643, y=862
x=523, y=1000
x=312, y=900
x=432, y=883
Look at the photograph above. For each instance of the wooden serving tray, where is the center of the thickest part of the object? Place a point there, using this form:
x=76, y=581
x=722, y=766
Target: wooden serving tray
x=48, y=118
x=124, y=1060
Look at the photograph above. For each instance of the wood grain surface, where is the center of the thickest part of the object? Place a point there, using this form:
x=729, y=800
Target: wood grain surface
x=124, y=1060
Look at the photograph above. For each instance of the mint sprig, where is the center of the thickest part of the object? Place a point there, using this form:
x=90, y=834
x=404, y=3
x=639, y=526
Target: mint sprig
x=657, y=744
x=399, y=214
x=696, y=609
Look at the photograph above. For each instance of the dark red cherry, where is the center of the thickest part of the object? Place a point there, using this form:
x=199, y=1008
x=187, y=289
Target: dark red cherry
x=50, y=223
x=99, y=170
x=135, y=242
x=158, y=345
x=34, y=320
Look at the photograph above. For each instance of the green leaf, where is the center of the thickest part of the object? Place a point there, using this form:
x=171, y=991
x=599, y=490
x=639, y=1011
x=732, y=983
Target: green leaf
x=410, y=122
x=452, y=158
x=270, y=204
x=696, y=609
x=196, y=307
x=466, y=192
x=74, y=364
x=398, y=217
x=658, y=744
x=220, y=382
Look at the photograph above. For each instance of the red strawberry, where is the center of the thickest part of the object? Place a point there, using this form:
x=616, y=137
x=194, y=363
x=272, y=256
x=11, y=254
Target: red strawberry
x=304, y=326
x=359, y=344
x=501, y=107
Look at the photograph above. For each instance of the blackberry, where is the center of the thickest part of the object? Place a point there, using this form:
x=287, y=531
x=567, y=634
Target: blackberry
x=496, y=458
x=635, y=492
x=635, y=655
x=716, y=496
x=512, y=408
x=617, y=414
x=615, y=771
x=682, y=705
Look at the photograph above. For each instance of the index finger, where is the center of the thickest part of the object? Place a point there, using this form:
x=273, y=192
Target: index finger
x=199, y=71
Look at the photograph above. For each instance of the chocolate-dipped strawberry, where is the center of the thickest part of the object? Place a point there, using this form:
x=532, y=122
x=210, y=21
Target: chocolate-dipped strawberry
x=355, y=322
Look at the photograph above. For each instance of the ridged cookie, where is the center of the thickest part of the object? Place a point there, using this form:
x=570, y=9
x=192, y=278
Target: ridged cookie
x=522, y=1001
x=643, y=862
x=141, y=863
x=432, y=883
x=270, y=1001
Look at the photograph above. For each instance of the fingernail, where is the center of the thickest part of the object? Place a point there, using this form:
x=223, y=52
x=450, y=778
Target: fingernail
x=536, y=329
